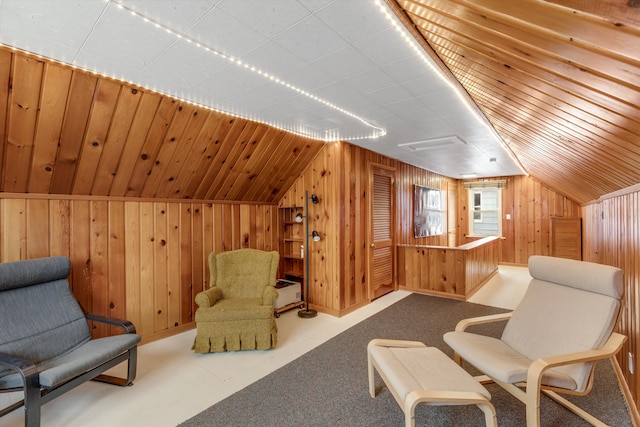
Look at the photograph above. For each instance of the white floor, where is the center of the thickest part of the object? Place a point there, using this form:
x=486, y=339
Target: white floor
x=173, y=384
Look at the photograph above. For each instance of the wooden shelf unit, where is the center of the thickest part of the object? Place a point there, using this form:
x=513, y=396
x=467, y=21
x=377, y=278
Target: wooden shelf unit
x=291, y=245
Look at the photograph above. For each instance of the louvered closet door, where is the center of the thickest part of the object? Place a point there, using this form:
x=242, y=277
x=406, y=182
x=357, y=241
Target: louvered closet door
x=381, y=247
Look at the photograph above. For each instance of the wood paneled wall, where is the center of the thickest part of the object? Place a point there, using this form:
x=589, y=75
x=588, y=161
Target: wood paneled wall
x=70, y=132
x=611, y=235
x=559, y=84
x=407, y=178
x=531, y=206
x=145, y=259
x=339, y=176
x=453, y=272
x=135, y=259
x=337, y=263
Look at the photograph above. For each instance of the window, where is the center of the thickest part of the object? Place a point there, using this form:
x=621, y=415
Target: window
x=485, y=214
x=477, y=206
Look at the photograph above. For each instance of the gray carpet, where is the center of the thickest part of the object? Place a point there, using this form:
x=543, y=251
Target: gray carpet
x=328, y=385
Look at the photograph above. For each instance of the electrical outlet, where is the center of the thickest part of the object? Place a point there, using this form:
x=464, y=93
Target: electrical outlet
x=632, y=366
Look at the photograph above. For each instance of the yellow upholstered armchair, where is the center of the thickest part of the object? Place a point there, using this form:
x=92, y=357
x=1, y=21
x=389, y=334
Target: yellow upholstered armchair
x=236, y=312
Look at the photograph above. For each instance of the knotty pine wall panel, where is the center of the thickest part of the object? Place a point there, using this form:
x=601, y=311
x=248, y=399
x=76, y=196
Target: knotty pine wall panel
x=143, y=260
x=549, y=82
x=339, y=175
x=531, y=205
x=351, y=189
x=69, y=132
x=449, y=272
x=336, y=264
x=407, y=178
x=442, y=271
x=23, y=114
x=353, y=266
x=5, y=78
x=53, y=100
x=611, y=235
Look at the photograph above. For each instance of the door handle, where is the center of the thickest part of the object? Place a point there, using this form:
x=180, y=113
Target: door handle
x=373, y=245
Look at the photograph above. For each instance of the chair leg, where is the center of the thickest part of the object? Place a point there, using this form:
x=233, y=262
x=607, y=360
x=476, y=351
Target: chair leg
x=490, y=416
x=532, y=402
x=372, y=385
x=132, y=365
x=575, y=409
x=32, y=402
x=410, y=418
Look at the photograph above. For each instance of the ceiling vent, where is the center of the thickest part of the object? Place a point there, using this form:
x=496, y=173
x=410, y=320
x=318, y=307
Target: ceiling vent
x=432, y=144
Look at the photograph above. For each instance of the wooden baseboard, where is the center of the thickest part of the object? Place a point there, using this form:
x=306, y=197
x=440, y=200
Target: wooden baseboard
x=479, y=286
x=353, y=308
x=432, y=293
x=167, y=333
x=513, y=264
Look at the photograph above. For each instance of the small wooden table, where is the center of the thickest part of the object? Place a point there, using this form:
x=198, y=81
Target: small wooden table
x=415, y=373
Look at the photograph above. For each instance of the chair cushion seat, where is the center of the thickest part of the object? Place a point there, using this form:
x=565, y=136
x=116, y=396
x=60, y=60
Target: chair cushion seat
x=500, y=361
x=84, y=358
x=235, y=309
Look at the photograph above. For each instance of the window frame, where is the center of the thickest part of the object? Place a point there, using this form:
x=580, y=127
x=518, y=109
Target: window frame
x=475, y=209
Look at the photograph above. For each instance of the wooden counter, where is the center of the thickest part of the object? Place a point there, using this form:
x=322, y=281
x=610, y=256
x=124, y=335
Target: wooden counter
x=455, y=272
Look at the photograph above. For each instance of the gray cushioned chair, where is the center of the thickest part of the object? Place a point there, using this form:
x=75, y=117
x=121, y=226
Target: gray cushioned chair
x=46, y=347
x=551, y=341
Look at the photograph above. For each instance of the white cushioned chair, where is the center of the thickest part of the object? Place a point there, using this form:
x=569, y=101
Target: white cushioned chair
x=551, y=341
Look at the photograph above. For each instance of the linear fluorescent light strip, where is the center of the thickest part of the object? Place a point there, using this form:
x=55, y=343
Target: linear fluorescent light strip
x=433, y=143
x=377, y=131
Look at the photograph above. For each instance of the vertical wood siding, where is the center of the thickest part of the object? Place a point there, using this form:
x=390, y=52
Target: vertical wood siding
x=451, y=272
x=611, y=235
x=559, y=84
x=407, y=178
x=140, y=260
x=66, y=131
x=531, y=205
x=339, y=176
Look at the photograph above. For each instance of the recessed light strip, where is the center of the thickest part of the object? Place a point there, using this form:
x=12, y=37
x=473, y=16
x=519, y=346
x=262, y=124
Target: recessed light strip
x=186, y=101
x=376, y=131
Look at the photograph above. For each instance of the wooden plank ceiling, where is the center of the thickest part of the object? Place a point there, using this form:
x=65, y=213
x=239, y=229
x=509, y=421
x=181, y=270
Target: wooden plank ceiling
x=66, y=131
x=560, y=85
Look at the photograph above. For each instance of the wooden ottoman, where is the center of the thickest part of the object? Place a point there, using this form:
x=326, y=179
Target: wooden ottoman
x=415, y=373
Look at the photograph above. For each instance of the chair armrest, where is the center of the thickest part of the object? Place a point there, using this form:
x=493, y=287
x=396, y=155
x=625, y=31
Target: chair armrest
x=269, y=296
x=465, y=323
x=609, y=349
x=128, y=327
x=17, y=363
x=208, y=297
x=24, y=367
